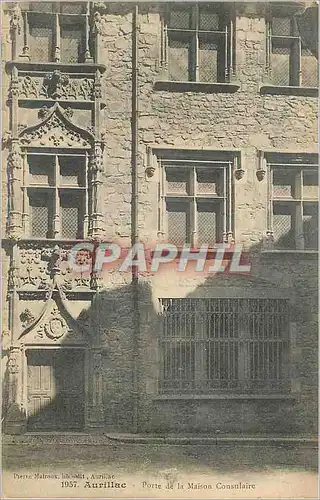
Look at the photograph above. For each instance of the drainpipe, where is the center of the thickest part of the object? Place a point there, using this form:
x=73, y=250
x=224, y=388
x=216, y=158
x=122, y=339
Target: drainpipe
x=134, y=216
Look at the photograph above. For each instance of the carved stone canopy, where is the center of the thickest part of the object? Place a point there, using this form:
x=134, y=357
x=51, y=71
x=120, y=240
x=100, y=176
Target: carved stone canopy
x=56, y=130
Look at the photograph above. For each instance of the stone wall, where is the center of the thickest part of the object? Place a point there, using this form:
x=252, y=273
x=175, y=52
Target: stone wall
x=244, y=120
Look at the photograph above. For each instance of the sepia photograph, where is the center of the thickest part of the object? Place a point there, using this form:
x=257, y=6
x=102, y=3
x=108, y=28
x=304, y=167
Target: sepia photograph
x=160, y=249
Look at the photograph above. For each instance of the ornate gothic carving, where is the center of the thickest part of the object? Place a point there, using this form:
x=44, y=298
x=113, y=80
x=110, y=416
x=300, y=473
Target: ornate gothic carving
x=13, y=362
x=55, y=82
x=56, y=130
x=14, y=84
x=26, y=318
x=16, y=19
x=56, y=326
x=50, y=88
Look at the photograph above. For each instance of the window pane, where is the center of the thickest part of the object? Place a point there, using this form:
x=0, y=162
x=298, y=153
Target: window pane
x=41, y=169
x=73, y=8
x=209, y=61
x=208, y=217
x=209, y=181
x=208, y=19
x=281, y=26
x=309, y=69
x=178, y=60
x=72, y=171
x=40, y=43
x=178, y=231
x=180, y=18
x=70, y=209
x=286, y=183
x=310, y=184
x=280, y=65
x=41, y=6
x=41, y=213
x=177, y=180
x=310, y=226
x=71, y=43
x=283, y=225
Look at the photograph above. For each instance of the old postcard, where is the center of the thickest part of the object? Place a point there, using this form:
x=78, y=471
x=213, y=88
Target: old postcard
x=160, y=249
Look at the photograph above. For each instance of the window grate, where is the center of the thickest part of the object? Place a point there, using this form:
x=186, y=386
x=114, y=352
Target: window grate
x=224, y=345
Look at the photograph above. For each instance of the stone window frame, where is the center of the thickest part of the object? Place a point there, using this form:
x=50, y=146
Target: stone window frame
x=228, y=160
x=289, y=11
x=55, y=17
x=228, y=83
x=57, y=188
x=301, y=163
x=286, y=390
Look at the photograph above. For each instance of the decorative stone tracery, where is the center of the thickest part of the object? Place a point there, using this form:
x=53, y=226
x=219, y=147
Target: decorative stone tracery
x=40, y=281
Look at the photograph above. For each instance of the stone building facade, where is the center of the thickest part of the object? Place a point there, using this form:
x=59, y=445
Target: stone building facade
x=181, y=123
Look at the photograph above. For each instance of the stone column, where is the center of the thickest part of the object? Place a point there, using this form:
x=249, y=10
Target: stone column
x=15, y=419
x=96, y=168
x=96, y=410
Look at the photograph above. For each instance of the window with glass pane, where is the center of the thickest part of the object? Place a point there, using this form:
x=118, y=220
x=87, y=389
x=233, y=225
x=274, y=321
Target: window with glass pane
x=56, y=31
x=199, y=41
x=55, y=189
x=294, y=201
x=224, y=345
x=197, y=200
x=292, y=62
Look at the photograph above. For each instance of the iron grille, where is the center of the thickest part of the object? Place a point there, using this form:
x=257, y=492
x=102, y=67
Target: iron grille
x=177, y=223
x=207, y=224
x=224, y=345
x=70, y=215
x=71, y=44
x=39, y=221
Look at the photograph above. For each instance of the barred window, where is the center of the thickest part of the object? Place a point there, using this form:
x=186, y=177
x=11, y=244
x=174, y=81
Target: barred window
x=224, y=345
x=291, y=61
x=196, y=197
x=55, y=195
x=56, y=31
x=199, y=39
x=293, y=210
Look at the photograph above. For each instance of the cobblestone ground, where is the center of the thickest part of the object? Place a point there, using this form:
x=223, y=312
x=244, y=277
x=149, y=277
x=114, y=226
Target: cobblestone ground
x=162, y=471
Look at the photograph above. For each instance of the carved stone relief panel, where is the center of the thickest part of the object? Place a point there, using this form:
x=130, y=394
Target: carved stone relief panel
x=56, y=85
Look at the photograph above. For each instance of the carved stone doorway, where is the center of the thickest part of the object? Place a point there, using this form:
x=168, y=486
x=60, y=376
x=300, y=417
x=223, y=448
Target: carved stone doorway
x=55, y=389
